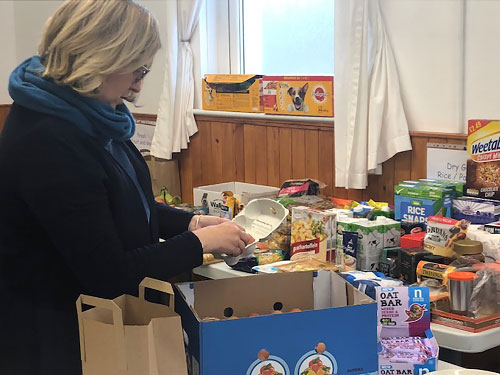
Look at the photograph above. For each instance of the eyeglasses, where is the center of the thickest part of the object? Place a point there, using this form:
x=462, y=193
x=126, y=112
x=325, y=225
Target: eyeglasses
x=140, y=73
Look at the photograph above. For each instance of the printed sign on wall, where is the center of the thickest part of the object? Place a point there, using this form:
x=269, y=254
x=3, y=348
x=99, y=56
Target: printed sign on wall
x=143, y=137
x=447, y=161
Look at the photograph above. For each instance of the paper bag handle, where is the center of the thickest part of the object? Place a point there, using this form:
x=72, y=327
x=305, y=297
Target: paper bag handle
x=117, y=323
x=161, y=286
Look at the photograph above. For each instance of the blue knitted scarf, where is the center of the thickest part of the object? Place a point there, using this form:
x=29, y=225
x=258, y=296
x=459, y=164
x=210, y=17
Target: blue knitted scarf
x=100, y=120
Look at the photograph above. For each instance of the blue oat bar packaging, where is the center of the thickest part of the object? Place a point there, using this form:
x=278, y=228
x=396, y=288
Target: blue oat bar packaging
x=483, y=167
x=414, y=203
x=289, y=323
x=406, y=344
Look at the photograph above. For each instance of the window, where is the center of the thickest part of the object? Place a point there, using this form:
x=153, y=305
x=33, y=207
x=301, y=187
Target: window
x=284, y=37
x=281, y=37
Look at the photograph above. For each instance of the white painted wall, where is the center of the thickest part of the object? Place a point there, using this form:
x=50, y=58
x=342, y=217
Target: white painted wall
x=482, y=63
x=8, y=43
x=426, y=35
x=21, y=27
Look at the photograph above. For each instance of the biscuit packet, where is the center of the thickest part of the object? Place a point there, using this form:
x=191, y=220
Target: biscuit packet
x=442, y=233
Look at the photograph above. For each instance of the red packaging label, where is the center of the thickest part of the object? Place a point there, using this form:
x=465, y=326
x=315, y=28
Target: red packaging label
x=294, y=189
x=309, y=246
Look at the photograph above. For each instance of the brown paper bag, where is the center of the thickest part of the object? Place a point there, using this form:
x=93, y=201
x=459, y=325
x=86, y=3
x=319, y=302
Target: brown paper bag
x=131, y=336
x=164, y=173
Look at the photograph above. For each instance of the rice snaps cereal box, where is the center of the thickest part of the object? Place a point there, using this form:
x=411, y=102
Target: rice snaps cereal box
x=483, y=167
x=415, y=202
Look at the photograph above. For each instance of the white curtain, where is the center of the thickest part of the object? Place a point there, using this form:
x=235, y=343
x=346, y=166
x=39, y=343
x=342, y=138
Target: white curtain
x=175, y=122
x=370, y=123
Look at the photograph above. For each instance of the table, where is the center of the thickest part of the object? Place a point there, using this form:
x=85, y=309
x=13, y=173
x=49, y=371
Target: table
x=219, y=271
x=449, y=338
x=442, y=365
x=466, y=342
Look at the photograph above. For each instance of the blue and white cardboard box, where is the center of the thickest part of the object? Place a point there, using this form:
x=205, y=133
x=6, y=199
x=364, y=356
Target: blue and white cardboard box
x=332, y=313
x=476, y=210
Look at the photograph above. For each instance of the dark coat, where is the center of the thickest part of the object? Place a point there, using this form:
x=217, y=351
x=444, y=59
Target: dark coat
x=72, y=222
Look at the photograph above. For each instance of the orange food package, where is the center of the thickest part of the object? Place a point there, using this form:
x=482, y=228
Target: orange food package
x=307, y=264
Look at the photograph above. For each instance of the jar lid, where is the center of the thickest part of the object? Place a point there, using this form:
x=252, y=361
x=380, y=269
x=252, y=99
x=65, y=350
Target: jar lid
x=461, y=276
x=468, y=247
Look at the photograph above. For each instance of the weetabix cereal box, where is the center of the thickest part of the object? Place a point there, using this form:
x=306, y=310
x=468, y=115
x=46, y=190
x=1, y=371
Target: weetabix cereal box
x=483, y=167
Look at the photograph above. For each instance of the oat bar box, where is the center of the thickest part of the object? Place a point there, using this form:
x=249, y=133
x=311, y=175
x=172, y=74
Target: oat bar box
x=483, y=166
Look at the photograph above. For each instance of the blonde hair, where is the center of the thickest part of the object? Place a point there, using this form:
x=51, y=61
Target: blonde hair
x=87, y=40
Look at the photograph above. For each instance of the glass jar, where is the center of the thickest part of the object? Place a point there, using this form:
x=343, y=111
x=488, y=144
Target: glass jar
x=469, y=249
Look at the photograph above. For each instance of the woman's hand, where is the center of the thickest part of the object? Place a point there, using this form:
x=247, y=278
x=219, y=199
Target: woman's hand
x=202, y=221
x=225, y=238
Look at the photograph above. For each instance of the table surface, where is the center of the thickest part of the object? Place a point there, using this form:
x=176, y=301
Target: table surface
x=449, y=338
x=442, y=365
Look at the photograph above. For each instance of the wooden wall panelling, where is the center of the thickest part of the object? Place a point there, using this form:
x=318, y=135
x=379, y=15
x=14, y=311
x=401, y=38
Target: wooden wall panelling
x=386, y=182
x=239, y=152
x=206, y=153
x=326, y=168
x=4, y=111
x=419, y=157
x=249, y=138
x=355, y=194
x=273, y=156
x=402, y=166
x=298, y=154
x=270, y=152
x=222, y=150
x=312, y=157
x=285, y=162
x=261, y=157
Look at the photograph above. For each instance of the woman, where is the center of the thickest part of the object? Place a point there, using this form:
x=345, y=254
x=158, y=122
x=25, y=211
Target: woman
x=77, y=210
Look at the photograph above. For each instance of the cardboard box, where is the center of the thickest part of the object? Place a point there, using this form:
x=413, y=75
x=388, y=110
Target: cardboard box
x=298, y=95
x=129, y=335
x=493, y=228
x=476, y=210
x=408, y=262
x=404, y=316
x=216, y=199
x=232, y=92
x=333, y=312
x=314, y=233
x=483, y=167
x=416, y=202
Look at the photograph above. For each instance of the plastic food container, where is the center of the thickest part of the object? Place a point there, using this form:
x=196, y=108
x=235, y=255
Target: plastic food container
x=260, y=218
x=460, y=285
x=469, y=249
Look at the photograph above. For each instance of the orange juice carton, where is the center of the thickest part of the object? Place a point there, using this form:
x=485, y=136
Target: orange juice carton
x=298, y=95
x=483, y=167
x=232, y=92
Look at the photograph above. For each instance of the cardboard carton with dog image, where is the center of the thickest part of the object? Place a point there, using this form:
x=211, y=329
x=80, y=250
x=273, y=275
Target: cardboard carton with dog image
x=298, y=95
x=232, y=92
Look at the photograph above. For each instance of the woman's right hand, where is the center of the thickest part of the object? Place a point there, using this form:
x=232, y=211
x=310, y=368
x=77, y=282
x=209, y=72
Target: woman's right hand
x=226, y=238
